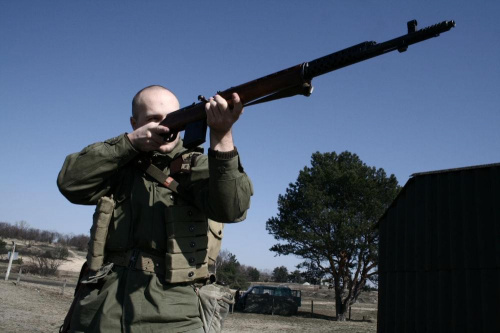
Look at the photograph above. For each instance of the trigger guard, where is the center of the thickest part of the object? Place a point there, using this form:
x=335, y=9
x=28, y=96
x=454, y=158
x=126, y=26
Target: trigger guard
x=170, y=137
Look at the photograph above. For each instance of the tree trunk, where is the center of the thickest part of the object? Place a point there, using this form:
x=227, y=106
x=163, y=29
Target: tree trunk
x=340, y=309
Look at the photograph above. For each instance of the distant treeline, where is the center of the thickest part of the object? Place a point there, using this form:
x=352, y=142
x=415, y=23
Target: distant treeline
x=21, y=230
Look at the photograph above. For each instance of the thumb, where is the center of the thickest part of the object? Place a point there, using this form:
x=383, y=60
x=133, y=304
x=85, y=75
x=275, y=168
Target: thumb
x=237, y=104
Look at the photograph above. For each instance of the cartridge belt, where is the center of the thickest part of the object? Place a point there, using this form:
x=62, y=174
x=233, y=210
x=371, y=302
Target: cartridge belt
x=138, y=260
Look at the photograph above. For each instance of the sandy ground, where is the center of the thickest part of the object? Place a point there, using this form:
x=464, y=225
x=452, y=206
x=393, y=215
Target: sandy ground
x=73, y=264
x=34, y=308
x=246, y=322
x=30, y=307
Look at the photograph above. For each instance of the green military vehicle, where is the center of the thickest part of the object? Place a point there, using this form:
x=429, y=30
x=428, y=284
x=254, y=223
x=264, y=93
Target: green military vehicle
x=279, y=300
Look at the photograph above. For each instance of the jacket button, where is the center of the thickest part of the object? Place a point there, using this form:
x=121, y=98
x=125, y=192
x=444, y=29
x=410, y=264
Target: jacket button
x=222, y=170
x=190, y=274
x=191, y=260
x=190, y=213
x=192, y=244
x=191, y=228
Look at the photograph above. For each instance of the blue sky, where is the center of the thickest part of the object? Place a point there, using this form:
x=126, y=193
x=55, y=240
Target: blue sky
x=68, y=72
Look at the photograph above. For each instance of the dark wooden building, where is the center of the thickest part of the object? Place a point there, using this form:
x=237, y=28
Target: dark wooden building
x=439, y=264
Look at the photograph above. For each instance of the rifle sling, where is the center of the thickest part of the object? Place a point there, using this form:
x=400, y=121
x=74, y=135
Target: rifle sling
x=158, y=175
x=162, y=178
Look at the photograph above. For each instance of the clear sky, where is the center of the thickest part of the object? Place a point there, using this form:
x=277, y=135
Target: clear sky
x=69, y=69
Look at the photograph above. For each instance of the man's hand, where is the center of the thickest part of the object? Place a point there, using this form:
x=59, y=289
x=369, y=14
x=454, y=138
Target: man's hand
x=220, y=119
x=148, y=137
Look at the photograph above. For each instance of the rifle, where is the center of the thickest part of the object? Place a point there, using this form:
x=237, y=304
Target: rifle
x=293, y=81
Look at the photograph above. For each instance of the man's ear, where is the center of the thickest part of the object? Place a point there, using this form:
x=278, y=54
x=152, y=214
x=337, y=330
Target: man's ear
x=133, y=123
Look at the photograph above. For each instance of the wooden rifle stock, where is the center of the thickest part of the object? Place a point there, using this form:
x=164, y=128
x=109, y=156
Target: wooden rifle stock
x=295, y=80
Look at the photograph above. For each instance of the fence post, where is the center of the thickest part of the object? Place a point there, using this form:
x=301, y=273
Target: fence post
x=349, y=313
x=272, y=310
x=10, y=260
x=64, y=286
x=312, y=308
x=19, y=276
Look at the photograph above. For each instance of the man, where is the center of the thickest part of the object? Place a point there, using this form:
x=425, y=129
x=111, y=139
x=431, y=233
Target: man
x=155, y=252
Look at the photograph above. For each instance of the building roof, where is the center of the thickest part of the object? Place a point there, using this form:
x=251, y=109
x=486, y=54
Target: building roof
x=456, y=169
x=436, y=172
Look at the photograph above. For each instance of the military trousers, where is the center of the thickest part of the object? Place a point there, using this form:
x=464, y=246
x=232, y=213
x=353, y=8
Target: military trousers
x=133, y=301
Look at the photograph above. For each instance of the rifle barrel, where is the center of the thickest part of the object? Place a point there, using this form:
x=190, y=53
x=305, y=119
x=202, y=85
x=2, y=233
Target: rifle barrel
x=285, y=82
x=367, y=50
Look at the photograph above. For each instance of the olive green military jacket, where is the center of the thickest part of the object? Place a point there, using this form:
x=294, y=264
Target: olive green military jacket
x=216, y=188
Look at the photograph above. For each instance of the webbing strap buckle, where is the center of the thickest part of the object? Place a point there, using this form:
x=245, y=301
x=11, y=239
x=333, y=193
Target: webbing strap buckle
x=133, y=258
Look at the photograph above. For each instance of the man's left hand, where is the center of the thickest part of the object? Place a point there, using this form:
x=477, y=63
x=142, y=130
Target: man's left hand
x=220, y=119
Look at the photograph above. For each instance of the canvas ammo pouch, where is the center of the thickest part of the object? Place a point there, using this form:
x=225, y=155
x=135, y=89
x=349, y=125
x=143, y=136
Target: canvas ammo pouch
x=193, y=244
x=215, y=234
x=214, y=301
x=99, y=231
x=186, y=259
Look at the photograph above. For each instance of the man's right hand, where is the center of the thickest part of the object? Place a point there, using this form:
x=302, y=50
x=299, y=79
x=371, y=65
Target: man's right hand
x=149, y=137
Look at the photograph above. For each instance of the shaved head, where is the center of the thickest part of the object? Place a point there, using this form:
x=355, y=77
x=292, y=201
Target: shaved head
x=147, y=94
x=150, y=106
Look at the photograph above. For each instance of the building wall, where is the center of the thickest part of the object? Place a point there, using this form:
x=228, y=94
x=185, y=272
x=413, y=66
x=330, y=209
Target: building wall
x=439, y=259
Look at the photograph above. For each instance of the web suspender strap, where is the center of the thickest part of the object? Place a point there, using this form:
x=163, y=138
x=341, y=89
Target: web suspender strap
x=158, y=175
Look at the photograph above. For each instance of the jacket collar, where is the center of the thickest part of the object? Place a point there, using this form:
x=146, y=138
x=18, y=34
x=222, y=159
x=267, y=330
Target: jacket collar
x=163, y=160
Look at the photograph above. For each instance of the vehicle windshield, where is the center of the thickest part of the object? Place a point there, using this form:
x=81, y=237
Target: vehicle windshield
x=271, y=291
x=283, y=292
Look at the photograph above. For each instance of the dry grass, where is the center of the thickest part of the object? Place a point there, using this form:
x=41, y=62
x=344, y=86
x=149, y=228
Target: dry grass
x=32, y=307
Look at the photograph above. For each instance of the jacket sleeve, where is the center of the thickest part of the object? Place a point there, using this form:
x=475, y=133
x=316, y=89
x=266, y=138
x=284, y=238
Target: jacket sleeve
x=225, y=195
x=88, y=175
